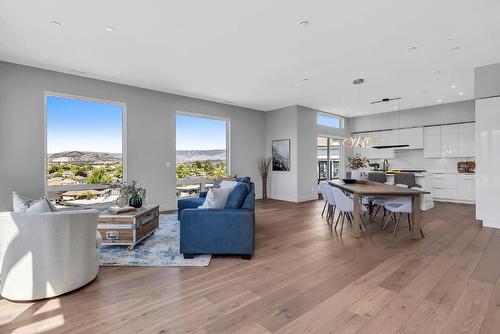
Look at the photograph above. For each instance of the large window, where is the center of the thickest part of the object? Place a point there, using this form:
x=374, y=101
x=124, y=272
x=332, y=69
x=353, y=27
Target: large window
x=201, y=152
x=329, y=158
x=84, y=148
x=329, y=121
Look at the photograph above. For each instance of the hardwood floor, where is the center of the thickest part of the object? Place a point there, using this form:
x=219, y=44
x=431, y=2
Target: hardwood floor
x=303, y=278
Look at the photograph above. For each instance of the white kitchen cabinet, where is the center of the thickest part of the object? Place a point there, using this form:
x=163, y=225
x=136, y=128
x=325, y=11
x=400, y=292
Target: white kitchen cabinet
x=466, y=139
x=466, y=188
x=449, y=140
x=374, y=153
x=413, y=137
x=454, y=187
x=388, y=138
x=432, y=142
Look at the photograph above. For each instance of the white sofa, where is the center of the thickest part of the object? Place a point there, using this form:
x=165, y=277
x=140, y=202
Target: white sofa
x=43, y=255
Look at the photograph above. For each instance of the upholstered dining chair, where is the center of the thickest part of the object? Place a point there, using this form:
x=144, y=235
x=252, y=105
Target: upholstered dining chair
x=345, y=205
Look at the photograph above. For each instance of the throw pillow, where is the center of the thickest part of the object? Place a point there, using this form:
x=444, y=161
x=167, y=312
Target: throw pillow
x=20, y=203
x=218, y=181
x=23, y=203
x=216, y=199
x=228, y=184
x=237, y=196
x=40, y=206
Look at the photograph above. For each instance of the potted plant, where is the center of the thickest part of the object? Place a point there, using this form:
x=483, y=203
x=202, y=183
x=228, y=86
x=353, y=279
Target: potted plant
x=128, y=193
x=358, y=163
x=263, y=164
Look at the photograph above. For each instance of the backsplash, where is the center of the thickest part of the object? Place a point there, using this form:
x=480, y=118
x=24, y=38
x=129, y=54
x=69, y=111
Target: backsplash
x=414, y=159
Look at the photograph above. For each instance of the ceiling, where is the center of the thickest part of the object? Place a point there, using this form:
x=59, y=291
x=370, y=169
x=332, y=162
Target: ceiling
x=255, y=54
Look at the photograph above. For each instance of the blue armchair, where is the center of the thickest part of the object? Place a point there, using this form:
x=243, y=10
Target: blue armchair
x=220, y=231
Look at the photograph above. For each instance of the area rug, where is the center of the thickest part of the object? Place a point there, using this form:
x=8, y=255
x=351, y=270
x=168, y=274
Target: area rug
x=158, y=250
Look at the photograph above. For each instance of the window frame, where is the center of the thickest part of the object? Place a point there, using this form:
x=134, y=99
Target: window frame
x=217, y=118
x=340, y=118
x=70, y=187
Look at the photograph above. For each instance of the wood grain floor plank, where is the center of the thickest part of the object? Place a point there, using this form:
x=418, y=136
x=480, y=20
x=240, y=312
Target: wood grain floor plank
x=304, y=278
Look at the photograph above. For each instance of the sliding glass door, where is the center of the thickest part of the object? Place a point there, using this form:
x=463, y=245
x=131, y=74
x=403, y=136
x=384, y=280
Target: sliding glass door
x=329, y=158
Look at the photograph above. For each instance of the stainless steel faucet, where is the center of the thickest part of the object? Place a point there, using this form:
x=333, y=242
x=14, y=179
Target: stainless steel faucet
x=385, y=165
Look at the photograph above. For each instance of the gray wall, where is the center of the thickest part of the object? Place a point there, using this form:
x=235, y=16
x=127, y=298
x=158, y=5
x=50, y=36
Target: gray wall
x=299, y=124
x=282, y=124
x=486, y=81
x=437, y=114
x=150, y=131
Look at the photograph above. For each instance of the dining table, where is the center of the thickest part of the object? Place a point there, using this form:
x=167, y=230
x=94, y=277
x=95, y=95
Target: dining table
x=371, y=188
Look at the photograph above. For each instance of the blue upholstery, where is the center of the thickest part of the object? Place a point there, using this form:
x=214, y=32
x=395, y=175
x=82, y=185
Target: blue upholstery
x=220, y=231
x=237, y=196
x=188, y=203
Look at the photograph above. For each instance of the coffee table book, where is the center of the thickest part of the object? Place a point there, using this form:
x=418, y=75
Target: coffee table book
x=128, y=228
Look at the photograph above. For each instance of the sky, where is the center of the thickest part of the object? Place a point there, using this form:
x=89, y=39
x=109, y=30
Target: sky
x=199, y=133
x=330, y=121
x=77, y=125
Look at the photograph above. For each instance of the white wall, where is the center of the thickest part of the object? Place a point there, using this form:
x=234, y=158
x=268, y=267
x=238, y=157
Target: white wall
x=150, y=131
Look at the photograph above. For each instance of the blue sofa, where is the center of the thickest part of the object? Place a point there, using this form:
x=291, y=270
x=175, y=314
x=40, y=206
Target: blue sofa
x=219, y=231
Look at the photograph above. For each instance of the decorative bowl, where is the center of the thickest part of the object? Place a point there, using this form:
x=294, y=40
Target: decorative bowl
x=349, y=181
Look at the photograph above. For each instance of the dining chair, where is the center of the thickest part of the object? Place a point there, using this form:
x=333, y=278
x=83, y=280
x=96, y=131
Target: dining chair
x=394, y=208
x=331, y=205
x=322, y=185
x=345, y=205
x=376, y=202
x=407, y=179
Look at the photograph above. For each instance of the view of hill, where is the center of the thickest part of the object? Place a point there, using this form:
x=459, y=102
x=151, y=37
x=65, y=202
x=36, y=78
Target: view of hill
x=80, y=157
x=85, y=157
x=200, y=155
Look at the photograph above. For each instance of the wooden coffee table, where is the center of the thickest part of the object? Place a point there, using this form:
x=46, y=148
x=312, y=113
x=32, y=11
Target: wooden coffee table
x=128, y=228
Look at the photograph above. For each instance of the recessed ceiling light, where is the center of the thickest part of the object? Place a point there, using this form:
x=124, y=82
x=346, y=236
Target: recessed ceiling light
x=455, y=48
x=438, y=72
x=56, y=23
x=107, y=28
x=304, y=23
x=358, y=81
x=359, y=113
x=305, y=79
x=395, y=107
x=460, y=93
x=292, y=86
x=453, y=86
x=412, y=48
x=439, y=100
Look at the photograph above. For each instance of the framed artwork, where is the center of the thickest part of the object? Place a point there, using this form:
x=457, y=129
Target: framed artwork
x=281, y=155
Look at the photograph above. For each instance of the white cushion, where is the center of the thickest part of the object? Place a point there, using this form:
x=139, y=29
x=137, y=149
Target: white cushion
x=228, y=184
x=23, y=204
x=216, y=198
x=40, y=206
x=20, y=203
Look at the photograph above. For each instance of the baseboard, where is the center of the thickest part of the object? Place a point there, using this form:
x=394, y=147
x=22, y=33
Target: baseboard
x=454, y=201
x=307, y=198
x=283, y=198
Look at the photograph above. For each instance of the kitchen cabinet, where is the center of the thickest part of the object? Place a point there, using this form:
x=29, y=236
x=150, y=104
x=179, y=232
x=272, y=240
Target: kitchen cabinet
x=387, y=138
x=432, y=142
x=466, y=188
x=454, y=187
x=373, y=153
x=449, y=140
x=413, y=137
x=466, y=139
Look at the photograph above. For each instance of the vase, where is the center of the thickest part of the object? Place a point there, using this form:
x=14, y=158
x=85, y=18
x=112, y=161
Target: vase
x=264, y=188
x=135, y=202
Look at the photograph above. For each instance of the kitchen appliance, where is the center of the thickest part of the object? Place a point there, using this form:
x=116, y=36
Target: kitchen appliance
x=385, y=100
